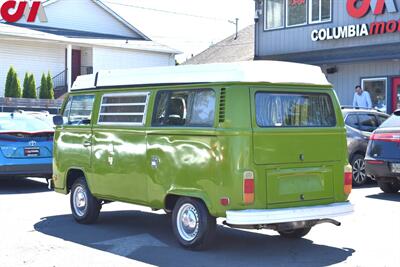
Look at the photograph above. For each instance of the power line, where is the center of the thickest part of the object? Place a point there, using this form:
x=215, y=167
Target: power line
x=167, y=11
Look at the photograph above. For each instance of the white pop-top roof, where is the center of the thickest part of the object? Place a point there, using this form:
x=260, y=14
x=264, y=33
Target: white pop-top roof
x=275, y=72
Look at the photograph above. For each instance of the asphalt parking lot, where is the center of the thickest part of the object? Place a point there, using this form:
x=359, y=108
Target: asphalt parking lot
x=38, y=230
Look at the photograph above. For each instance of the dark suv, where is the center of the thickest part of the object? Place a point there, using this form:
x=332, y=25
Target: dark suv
x=383, y=154
x=360, y=123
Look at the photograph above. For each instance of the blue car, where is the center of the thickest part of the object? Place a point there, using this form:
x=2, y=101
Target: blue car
x=26, y=146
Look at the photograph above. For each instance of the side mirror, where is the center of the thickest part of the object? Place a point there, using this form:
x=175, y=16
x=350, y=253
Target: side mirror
x=58, y=120
x=397, y=112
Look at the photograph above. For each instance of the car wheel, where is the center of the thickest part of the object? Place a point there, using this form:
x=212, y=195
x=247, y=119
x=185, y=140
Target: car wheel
x=295, y=233
x=389, y=187
x=85, y=207
x=193, y=226
x=359, y=174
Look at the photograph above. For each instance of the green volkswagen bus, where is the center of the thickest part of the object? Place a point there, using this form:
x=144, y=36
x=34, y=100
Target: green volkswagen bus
x=261, y=144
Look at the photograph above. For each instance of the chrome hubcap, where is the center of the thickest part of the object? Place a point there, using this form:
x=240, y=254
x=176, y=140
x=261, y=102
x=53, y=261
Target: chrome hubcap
x=80, y=201
x=359, y=175
x=188, y=222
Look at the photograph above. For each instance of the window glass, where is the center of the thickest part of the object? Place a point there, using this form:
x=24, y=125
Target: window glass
x=325, y=10
x=274, y=12
x=368, y=122
x=294, y=110
x=185, y=108
x=78, y=110
x=296, y=12
x=352, y=121
x=23, y=123
x=320, y=10
x=123, y=108
x=377, y=90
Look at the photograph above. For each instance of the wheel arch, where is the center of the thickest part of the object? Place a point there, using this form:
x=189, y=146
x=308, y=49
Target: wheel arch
x=355, y=153
x=72, y=175
x=172, y=197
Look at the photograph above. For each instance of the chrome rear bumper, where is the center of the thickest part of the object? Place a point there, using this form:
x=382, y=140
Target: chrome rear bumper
x=273, y=216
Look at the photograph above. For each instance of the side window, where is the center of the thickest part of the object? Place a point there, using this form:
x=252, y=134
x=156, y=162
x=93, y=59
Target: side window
x=185, y=108
x=123, y=109
x=368, y=122
x=352, y=121
x=78, y=110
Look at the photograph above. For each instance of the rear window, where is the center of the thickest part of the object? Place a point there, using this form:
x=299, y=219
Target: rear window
x=294, y=110
x=393, y=121
x=19, y=123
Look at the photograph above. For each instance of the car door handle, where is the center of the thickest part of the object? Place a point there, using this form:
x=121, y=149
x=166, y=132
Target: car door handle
x=87, y=143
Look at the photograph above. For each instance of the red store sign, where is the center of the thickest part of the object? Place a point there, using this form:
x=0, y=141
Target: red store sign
x=12, y=11
x=360, y=8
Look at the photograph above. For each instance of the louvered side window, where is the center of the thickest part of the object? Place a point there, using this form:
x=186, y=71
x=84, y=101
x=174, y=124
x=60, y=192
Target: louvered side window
x=124, y=109
x=222, y=105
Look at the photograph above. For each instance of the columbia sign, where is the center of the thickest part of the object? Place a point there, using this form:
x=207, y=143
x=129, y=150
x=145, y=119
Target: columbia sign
x=13, y=11
x=360, y=8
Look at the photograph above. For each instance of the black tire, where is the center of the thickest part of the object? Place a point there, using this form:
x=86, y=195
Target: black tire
x=81, y=195
x=198, y=236
x=359, y=174
x=295, y=233
x=389, y=187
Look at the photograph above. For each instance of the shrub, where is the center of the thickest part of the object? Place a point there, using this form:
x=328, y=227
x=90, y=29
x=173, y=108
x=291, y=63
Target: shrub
x=29, y=86
x=13, y=86
x=50, y=86
x=44, y=92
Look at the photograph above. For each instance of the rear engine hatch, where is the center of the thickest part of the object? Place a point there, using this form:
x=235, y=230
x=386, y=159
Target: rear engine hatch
x=295, y=136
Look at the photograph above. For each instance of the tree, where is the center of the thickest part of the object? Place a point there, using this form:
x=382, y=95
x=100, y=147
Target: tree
x=13, y=87
x=50, y=86
x=25, y=85
x=29, y=86
x=44, y=92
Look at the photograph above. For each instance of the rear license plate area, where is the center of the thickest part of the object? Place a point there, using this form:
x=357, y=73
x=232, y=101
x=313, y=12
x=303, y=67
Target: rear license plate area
x=395, y=167
x=32, y=152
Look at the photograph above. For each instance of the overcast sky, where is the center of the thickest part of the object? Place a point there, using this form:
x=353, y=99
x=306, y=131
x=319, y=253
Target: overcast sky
x=206, y=21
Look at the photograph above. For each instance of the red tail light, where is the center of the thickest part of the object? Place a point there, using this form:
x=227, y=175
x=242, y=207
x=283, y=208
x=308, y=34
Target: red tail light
x=375, y=162
x=348, y=179
x=248, y=187
x=386, y=137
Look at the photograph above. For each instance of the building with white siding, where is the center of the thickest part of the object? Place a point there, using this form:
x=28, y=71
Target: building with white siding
x=80, y=37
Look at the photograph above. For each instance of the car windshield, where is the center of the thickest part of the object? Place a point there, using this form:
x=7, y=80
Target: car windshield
x=22, y=123
x=393, y=121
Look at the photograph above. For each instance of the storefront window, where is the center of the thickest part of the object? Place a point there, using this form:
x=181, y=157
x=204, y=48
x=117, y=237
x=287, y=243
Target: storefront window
x=274, y=10
x=296, y=12
x=377, y=89
x=320, y=10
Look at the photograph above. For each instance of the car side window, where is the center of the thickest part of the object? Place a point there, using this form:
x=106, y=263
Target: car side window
x=78, y=110
x=368, y=122
x=185, y=108
x=352, y=121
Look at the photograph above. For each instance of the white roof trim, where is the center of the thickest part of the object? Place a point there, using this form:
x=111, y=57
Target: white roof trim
x=274, y=72
x=10, y=31
x=110, y=11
